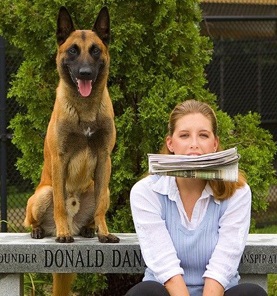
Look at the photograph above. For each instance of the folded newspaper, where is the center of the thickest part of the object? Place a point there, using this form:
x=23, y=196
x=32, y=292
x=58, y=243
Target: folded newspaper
x=222, y=165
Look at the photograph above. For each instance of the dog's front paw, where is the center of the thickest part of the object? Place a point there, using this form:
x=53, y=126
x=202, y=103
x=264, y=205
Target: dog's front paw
x=87, y=232
x=110, y=238
x=38, y=233
x=64, y=239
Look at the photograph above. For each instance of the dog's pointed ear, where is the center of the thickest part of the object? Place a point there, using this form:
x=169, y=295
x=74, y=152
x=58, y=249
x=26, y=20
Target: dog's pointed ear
x=64, y=25
x=102, y=25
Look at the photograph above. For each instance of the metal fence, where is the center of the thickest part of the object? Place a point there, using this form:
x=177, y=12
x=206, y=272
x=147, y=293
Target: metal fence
x=243, y=70
x=242, y=73
x=14, y=189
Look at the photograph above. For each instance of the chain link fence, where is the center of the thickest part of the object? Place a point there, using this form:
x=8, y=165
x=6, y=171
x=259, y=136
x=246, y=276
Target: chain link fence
x=17, y=188
x=243, y=70
x=242, y=73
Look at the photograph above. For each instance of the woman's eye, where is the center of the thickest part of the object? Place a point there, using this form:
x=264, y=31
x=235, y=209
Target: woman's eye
x=184, y=135
x=204, y=135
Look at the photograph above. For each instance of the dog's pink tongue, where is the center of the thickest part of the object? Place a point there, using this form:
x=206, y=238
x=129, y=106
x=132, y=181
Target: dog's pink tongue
x=84, y=87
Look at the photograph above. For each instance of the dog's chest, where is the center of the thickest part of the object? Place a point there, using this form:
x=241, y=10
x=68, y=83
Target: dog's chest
x=88, y=132
x=83, y=145
x=80, y=171
x=88, y=128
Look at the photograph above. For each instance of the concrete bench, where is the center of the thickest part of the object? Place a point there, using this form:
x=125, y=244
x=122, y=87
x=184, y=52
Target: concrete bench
x=20, y=254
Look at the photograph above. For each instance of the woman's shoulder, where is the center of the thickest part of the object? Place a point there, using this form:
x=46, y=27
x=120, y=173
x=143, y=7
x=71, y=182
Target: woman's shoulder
x=148, y=192
x=242, y=194
x=244, y=189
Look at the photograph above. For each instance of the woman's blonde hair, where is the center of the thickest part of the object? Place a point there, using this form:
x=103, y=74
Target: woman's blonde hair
x=221, y=189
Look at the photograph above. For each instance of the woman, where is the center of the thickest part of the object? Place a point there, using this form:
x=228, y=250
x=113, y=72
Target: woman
x=192, y=232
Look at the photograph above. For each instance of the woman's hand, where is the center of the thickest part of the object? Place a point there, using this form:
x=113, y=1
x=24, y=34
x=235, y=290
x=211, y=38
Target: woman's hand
x=176, y=286
x=212, y=288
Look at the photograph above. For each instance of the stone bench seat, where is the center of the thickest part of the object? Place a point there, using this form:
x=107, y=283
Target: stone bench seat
x=20, y=254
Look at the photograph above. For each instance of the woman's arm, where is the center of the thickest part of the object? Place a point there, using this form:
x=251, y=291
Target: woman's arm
x=156, y=244
x=212, y=288
x=177, y=287
x=233, y=232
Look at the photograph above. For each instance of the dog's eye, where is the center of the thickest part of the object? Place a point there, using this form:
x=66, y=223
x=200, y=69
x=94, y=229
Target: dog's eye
x=72, y=51
x=95, y=51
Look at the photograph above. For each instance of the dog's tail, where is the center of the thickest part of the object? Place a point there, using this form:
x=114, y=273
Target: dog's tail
x=62, y=283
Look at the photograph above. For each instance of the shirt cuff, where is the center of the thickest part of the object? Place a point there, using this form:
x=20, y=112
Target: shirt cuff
x=168, y=275
x=218, y=277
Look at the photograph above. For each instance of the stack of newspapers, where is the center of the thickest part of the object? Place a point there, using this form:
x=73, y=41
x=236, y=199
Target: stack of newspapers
x=221, y=165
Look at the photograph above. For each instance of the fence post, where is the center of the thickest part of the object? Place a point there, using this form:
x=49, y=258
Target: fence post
x=3, y=137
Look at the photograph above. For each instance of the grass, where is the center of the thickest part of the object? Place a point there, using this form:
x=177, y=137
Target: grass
x=268, y=229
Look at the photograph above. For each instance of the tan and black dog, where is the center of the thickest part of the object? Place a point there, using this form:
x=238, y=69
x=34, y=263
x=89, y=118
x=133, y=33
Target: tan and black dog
x=73, y=195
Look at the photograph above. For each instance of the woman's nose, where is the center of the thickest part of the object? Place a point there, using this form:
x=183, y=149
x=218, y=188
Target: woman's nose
x=194, y=143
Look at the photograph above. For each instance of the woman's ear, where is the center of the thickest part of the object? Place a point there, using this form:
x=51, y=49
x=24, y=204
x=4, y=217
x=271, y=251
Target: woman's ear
x=169, y=144
x=216, y=143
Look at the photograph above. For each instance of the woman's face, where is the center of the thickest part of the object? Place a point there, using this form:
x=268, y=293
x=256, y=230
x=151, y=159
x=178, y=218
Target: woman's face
x=193, y=135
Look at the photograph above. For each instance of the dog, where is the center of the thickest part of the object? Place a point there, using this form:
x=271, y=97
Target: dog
x=72, y=197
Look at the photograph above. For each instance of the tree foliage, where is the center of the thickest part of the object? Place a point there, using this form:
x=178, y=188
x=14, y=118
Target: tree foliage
x=157, y=60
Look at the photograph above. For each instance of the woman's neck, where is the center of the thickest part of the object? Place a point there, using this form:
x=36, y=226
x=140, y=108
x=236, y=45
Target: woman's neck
x=190, y=187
